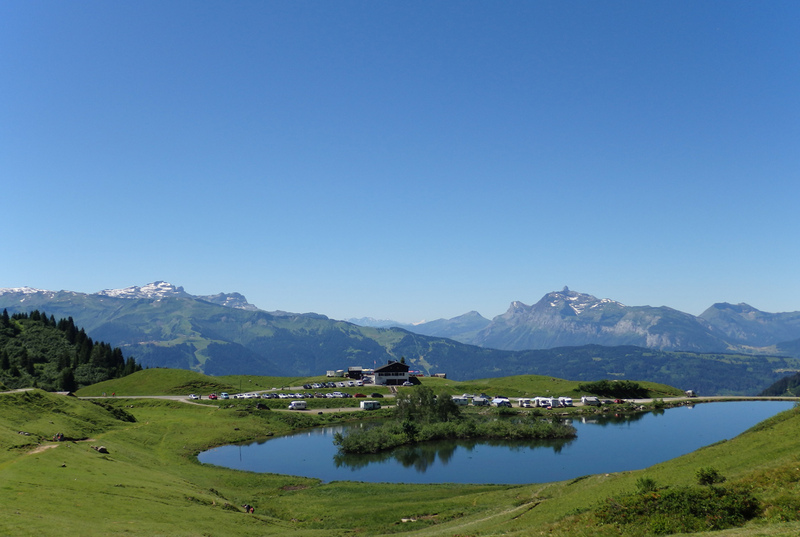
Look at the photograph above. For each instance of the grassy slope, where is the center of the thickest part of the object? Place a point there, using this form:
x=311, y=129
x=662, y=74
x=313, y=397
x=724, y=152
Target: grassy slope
x=150, y=484
x=181, y=382
x=534, y=385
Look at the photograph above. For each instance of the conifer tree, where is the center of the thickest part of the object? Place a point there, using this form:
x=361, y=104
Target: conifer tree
x=67, y=380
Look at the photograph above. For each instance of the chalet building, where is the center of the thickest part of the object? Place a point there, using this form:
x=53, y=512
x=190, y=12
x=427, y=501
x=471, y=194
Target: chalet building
x=392, y=374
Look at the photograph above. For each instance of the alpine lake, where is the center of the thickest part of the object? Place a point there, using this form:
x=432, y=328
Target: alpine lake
x=604, y=444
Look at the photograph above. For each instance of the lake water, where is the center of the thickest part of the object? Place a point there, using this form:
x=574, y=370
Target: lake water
x=603, y=445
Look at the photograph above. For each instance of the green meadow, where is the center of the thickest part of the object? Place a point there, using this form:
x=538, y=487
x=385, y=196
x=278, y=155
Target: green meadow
x=147, y=481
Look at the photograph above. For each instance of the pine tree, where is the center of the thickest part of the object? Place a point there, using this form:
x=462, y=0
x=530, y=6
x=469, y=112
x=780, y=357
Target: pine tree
x=66, y=380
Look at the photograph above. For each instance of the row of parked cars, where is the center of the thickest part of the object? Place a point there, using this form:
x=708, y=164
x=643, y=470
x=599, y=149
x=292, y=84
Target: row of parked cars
x=272, y=395
x=340, y=384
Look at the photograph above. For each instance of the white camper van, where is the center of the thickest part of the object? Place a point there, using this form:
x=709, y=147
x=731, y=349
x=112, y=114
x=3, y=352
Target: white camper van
x=546, y=402
x=370, y=405
x=297, y=405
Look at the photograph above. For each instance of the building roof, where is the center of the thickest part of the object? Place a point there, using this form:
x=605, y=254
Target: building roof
x=393, y=367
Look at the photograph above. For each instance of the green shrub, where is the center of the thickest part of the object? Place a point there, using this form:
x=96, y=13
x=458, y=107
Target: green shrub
x=681, y=510
x=623, y=389
x=645, y=485
x=709, y=476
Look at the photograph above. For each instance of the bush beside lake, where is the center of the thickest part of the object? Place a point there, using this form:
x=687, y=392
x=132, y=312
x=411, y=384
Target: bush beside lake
x=421, y=416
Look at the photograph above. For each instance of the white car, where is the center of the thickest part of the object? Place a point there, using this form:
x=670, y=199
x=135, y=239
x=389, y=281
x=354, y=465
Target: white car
x=194, y=396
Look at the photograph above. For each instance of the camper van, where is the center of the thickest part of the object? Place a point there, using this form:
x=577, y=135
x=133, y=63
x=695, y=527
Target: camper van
x=501, y=402
x=525, y=403
x=546, y=402
x=460, y=401
x=565, y=401
x=589, y=400
x=480, y=401
x=297, y=405
x=370, y=405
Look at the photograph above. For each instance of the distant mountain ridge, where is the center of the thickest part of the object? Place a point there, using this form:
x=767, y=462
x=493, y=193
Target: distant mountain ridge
x=162, y=325
x=569, y=318
x=561, y=318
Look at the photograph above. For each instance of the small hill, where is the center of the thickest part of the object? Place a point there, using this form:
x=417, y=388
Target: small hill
x=158, y=381
x=33, y=416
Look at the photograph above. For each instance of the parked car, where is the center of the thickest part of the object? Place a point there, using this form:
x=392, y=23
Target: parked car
x=408, y=383
x=359, y=395
x=376, y=395
x=224, y=395
x=212, y=396
x=194, y=396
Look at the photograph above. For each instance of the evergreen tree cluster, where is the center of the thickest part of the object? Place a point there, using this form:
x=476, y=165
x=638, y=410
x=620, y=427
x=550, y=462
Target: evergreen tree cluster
x=786, y=386
x=37, y=351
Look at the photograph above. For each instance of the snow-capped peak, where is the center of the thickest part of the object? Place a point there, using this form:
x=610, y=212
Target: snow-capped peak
x=151, y=290
x=23, y=290
x=577, y=302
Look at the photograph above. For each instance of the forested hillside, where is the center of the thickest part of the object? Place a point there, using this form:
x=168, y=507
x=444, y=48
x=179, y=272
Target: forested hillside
x=789, y=385
x=37, y=351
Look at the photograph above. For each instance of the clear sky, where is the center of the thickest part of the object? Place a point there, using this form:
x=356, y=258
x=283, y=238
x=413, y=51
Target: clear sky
x=404, y=160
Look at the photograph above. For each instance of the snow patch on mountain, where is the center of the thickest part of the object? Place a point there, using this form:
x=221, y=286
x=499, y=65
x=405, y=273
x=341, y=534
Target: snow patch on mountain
x=151, y=290
x=577, y=302
x=22, y=290
x=230, y=300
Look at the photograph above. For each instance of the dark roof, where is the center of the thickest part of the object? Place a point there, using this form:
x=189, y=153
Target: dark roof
x=393, y=367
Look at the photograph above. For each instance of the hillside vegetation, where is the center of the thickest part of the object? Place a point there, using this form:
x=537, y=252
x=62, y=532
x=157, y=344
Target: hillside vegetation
x=38, y=351
x=786, y=386
x=148, y=481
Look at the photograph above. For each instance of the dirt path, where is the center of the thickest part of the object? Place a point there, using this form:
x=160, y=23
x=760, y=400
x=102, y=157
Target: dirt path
x=43, y=447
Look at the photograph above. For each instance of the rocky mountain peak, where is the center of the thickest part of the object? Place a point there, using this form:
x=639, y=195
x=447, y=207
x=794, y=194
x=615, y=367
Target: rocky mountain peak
x=157, y=289
x=230, y=300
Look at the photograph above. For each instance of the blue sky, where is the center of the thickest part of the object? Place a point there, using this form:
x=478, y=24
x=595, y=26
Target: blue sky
x=404, y=160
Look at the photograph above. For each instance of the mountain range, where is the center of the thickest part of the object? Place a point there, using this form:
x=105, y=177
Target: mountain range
x=569, y=318
x=567, y=334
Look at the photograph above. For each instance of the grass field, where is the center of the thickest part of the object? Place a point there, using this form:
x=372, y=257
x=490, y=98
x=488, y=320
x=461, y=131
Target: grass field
x=149, y=482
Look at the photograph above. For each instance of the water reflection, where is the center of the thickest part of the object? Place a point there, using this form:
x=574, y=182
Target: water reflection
x=421, y=457
x=605, y=443
x=610, y=420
